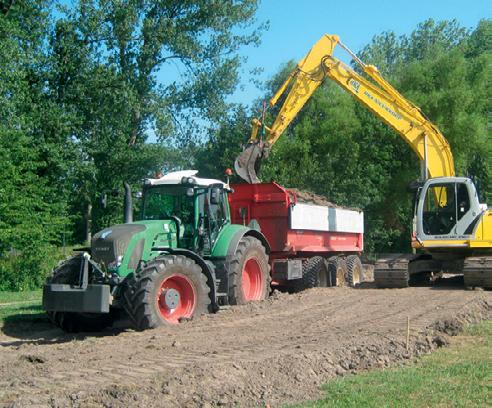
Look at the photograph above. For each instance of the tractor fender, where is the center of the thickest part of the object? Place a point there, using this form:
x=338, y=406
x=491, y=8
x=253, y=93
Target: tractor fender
x=206, y=269
x=234, y=242
x=258, y=235
x=225, y=249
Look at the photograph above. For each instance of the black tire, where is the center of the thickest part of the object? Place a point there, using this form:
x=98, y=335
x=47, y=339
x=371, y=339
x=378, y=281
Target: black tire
x=141, y=294
x=249, y=248
x=314, y=274
x=337, y=269
x=355, y=271
x=67, y=272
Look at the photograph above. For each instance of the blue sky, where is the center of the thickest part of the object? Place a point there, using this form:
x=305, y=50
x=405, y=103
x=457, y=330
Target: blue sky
x=295, y=25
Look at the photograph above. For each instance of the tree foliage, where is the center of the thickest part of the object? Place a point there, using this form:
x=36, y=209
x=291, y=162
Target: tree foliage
x=82, y=108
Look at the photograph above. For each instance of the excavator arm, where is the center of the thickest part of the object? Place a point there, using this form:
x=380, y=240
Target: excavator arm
x=375, y=93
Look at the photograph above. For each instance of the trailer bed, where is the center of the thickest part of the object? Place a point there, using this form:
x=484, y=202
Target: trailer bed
x=292, y=227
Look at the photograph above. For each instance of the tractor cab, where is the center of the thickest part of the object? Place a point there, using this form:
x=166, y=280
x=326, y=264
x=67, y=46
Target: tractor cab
x=446, y=209
x=197, y=207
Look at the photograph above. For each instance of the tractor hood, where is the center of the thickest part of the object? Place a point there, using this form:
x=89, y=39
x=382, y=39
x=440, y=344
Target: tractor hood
x=119, y=248
x=110, y=244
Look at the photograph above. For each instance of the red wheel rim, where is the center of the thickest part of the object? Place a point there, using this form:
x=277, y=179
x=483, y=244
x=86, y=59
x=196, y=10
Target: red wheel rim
x=252, y=282
x=176, y=298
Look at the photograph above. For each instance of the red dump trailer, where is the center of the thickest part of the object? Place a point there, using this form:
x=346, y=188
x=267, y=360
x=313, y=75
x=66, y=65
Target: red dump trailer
x=310, y=245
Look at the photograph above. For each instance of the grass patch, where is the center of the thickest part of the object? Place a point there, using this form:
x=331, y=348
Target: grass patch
x=29, y=296
x=456, y=376
x=21, y=305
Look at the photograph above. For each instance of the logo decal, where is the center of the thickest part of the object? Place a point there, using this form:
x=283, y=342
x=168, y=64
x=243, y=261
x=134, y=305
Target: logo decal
x=355, y=85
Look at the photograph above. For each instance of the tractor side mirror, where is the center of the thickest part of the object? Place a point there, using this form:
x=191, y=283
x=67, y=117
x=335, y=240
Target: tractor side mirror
x=215, y=195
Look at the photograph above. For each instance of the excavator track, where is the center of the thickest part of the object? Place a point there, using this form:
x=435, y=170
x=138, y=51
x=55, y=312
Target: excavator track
x=392, y=271
x=477, y=272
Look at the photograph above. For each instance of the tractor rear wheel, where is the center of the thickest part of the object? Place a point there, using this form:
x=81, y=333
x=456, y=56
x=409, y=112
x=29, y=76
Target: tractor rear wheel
x=169, y=289
x=337, y=269
x=72, y=322
x=355, y=271
x=249, y=274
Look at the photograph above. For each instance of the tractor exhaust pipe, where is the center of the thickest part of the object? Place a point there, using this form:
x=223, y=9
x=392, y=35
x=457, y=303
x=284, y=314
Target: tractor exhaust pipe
x=127, y=205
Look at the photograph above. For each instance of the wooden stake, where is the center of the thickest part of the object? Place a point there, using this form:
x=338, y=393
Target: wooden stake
x=408, y=332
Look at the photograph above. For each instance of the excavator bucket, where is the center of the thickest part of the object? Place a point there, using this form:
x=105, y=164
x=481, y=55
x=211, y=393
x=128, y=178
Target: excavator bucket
x=248, y=163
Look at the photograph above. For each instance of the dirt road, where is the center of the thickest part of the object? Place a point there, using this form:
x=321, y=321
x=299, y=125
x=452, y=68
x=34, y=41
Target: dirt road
x=277, y=351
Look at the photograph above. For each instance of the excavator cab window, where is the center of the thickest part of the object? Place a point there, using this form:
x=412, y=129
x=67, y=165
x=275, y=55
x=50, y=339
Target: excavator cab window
x=446, y=206
x=463, y=200
x=440, y=210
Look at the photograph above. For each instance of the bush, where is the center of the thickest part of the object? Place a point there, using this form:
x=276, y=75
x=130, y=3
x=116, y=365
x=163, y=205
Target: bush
x=22, y=271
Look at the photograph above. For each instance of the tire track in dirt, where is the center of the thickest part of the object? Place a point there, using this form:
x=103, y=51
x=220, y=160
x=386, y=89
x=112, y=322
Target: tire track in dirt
x=253, y=354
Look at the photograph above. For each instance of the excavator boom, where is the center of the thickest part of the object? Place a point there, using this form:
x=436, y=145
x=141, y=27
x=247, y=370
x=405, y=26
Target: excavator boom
x=376, y=94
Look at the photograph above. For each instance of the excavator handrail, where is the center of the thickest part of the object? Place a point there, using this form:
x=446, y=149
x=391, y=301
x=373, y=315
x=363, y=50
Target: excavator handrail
x=378, y=95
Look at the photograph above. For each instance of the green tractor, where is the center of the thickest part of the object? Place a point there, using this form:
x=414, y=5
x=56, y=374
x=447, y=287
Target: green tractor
x=183, y=259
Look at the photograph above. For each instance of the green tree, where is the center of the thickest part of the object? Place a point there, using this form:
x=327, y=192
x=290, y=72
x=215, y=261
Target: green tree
x=107, y=56
x=219, y=152
x=32, y=211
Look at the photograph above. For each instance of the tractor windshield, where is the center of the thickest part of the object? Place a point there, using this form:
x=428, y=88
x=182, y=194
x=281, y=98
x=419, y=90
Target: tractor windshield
x=163, y=202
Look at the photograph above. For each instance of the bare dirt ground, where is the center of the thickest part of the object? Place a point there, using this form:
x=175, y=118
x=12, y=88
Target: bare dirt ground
x=272, y=352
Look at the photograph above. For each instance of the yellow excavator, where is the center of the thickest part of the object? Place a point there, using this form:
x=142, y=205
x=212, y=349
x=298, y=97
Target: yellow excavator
x=451, y=229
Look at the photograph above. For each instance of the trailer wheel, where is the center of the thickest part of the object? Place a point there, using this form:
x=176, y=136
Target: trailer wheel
x=355, y=271
x=314, y=274
x=337, y=269
x=249, y=274
x=168, y=289
x=71, y=322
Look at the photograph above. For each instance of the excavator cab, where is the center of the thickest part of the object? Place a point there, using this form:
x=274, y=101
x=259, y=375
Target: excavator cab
x=447, y=207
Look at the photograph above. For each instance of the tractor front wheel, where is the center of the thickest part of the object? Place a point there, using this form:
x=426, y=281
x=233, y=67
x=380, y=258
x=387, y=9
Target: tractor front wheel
x=169, y=289
x=72, y=322
x=249, y=274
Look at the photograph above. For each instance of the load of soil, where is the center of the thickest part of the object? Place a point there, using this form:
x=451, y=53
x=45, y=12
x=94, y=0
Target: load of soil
x=266, y=353
x=308, y=197
x=311, y=198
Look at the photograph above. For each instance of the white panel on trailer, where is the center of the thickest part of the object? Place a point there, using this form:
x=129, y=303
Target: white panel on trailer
x=320, y=218
x=309, y=217
x=347, y=220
